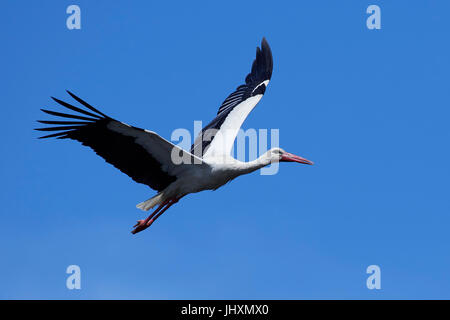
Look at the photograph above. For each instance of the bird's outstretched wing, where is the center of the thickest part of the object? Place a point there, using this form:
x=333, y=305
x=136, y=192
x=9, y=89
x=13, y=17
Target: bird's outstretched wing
x=141, y=154
x=218, y=136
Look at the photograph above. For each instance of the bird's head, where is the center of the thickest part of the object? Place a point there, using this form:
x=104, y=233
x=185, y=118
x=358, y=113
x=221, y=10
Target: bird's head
x=279, y=155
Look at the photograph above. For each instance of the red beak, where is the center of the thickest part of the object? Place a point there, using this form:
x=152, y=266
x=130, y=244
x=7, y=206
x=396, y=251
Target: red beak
x=289, y=157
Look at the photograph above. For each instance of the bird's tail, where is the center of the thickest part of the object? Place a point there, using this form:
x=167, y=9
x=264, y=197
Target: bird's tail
x=150, y=203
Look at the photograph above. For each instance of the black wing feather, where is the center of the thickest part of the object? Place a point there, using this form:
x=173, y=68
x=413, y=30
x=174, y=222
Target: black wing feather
x=62, y=122
x=84, y=103
x=69, y=106
x=54, y=135
x=65, y=115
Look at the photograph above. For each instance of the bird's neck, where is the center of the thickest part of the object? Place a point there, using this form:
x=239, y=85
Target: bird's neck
x=256, y=164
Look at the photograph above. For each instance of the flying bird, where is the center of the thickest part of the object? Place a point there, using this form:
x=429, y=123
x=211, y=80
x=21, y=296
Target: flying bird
x=151, y=160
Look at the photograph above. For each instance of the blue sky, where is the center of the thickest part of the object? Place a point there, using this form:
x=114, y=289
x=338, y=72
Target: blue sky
x=370, y=107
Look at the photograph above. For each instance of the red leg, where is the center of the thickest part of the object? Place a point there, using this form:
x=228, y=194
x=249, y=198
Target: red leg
x=144, y=224
x=172, y=202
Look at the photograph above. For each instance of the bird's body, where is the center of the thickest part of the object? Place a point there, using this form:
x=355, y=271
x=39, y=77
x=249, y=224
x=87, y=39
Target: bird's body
x=150, y=159
x=211, y=174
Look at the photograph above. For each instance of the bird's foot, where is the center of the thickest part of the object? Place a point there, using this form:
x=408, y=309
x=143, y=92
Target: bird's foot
x=141, y=225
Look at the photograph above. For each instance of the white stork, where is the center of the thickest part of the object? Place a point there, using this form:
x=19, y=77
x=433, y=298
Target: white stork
x=148, y=158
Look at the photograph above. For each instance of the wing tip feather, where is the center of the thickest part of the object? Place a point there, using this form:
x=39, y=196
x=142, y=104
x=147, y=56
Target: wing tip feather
x=262, y=66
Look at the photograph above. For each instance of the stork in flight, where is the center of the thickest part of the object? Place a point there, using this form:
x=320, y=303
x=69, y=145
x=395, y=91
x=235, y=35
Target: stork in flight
x=148, y=158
